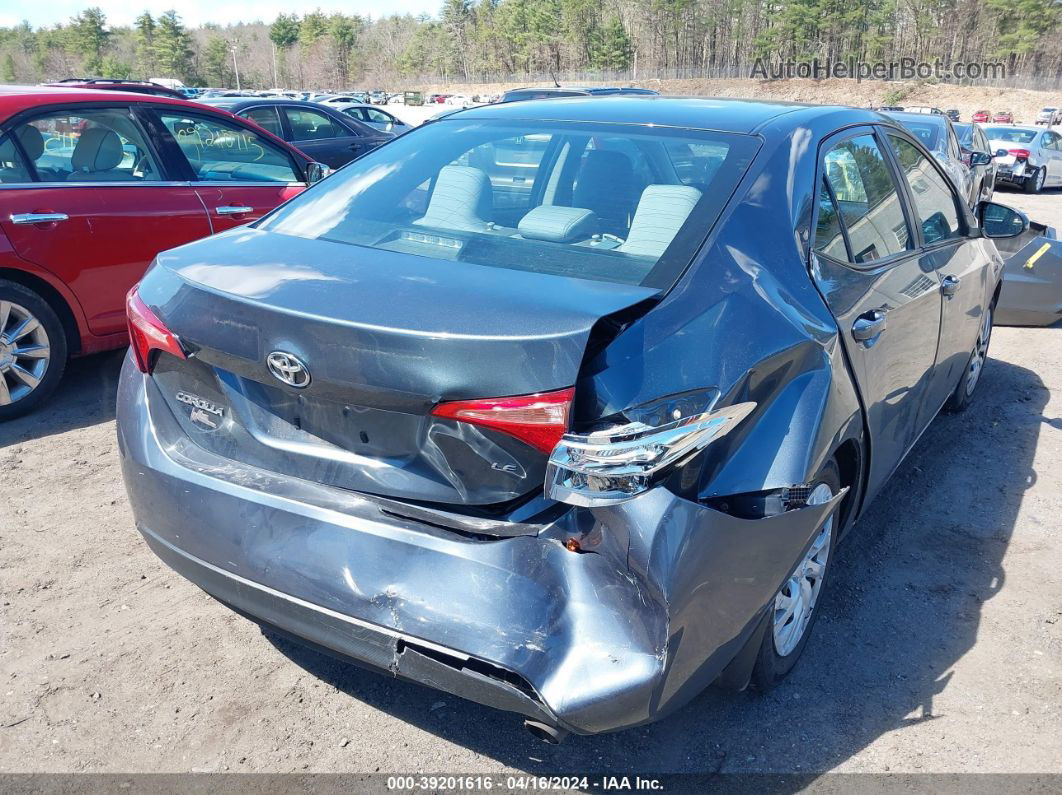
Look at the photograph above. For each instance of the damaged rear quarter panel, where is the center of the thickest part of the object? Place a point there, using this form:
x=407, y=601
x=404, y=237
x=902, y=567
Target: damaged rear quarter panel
x=745, y=319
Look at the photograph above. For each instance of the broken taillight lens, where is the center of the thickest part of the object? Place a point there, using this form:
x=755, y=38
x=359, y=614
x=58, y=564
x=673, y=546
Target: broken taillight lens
x=614, y=465
x=539, y=420
x=147, y=333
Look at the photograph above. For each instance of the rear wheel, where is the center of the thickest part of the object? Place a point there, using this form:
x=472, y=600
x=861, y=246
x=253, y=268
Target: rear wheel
x=971, y=376
x=32, y=350
x=797, y=603
x=1034, y=183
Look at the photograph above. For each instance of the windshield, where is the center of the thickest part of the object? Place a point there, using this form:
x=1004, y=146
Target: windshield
x=1010, y=134
x=620, y=203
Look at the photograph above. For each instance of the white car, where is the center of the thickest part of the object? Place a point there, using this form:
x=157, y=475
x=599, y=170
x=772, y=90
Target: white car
x=1029, y=157
x=373, y=116
x=462, y=100
x=1049, y=116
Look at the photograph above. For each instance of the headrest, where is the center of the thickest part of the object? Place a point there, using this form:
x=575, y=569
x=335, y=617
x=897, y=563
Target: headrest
x=97, y=149
x=558, y=224
x=662, y=210
x=32, y=144
x=32, y=141
x=461, y=199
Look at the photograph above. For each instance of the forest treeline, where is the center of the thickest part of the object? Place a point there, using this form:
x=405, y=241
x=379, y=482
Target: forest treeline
x=501, y=39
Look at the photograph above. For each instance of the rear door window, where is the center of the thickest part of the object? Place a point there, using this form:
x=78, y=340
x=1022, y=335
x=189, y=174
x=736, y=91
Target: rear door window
x=867, y=200
x=312, y=125
x=266, y=118
x=935, y=200
x=88, y=145
x=223, y=151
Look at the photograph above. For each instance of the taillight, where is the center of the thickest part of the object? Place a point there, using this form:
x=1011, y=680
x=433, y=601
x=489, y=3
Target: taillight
x=147, y=333
x=1021, y=154
x=539, y=420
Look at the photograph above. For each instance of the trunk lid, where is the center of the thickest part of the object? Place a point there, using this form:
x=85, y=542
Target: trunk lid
x=385, y=337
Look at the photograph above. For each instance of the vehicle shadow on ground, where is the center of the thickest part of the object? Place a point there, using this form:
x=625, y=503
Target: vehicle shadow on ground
x=86, y=396
x=905, y=605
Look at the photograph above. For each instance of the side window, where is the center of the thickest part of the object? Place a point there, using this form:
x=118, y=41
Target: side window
x=1051, y=140
x=12, y=167
x=266, y=118
x=222, y=151
x=99, y=145
x=377, y=116
x=829, y=239
x=934, y=198
x=867, y=200
x=312, y=125
x=356, y=113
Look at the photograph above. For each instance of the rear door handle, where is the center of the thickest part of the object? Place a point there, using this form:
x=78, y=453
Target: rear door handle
x=868, y=326
x=949, y=285
x=38, y=218
x=233, y=210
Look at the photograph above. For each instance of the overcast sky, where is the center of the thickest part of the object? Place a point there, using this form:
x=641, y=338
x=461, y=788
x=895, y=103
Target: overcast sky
x=197, y=12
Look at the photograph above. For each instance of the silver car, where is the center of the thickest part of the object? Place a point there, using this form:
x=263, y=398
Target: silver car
x=373, y=116
x=938, y=136
x=1028, y=157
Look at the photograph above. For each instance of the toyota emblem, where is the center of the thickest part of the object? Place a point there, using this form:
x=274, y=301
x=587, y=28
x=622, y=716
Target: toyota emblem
x=289, y=369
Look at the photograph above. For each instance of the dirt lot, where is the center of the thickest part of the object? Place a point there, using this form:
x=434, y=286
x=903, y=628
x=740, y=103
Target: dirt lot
x=940, y=648
x=1023, y=103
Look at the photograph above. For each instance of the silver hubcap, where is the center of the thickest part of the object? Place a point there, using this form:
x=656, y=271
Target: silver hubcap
x=795, y=602
x=24, y=352
x=980, y=353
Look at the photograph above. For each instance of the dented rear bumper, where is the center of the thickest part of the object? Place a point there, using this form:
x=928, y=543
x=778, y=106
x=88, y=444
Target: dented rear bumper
x=663, y=595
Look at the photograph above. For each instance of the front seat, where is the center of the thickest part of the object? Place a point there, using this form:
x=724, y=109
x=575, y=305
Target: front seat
x=96, y=157
x=605, y=186
x=462, y=200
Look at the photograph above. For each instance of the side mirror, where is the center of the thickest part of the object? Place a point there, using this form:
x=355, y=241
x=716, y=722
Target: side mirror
x=1000, y=221
x=980, y=159
x=315, y=172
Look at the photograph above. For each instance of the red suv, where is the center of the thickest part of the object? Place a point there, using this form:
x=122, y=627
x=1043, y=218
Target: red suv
x=93, y=184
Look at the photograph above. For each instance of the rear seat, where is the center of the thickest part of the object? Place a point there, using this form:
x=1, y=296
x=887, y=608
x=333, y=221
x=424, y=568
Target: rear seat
x=662, y=210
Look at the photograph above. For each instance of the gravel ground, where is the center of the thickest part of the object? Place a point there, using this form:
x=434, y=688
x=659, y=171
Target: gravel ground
x=940, y=646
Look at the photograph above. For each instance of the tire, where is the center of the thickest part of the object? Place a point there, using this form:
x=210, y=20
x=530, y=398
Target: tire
x=1034, y=183
x=975, y=365
x=779, y=650
x=32, y=365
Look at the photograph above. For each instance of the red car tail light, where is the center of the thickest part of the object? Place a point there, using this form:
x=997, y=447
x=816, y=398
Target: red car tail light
x=539, y=420
x=1021, y=154
x=147, y=333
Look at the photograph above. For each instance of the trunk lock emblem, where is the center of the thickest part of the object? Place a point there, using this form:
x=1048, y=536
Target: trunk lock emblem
x=289, y=369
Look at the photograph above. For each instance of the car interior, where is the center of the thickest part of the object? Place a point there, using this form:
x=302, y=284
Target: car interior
x=603, y=206
x=87, y=146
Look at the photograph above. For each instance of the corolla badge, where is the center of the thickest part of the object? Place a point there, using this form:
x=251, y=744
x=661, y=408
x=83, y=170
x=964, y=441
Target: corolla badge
x=289, y=369
x=205, y=413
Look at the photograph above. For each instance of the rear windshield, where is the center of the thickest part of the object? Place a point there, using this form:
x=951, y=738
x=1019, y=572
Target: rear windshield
x=619, y=203
x=1011, y=134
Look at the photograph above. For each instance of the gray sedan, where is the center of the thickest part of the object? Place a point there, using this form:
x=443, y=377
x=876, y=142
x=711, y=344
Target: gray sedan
x=561, y=406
